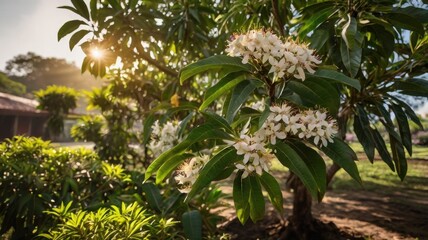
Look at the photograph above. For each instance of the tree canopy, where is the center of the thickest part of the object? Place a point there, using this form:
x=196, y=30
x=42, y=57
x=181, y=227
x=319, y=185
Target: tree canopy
x=37, y=72
x=9, y=86
x=371, y=53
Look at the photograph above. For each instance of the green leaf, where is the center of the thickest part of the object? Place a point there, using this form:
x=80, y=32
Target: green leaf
x=362, y=130
x=364, y=138
x=319, y=38
x=192, y=224
x=316, y=93
x=344, y=156
x=337, y=77
x=81, y=8
x=153, y=196
x=70, y=9
x=85, y=65
x=413, y=87
x=403, y=127
x=315, y=164
x=217, y=120
x=399, y=157
x=349, y=31
x=382, y=149
x=212, y=63
x=351, y=58
x=76, y=37
x=200, y=133
x=387, y=122
x=69, y=27
x=169, y=165
x=147, y=127
x=224, y=85
x=115, y=4
x=94, y=9
x=409, y=111
x=213, y=169
x=184, y=123
x=315, y=20
x=405, y=21
x=239, y=96
x=256, y=199
x=273, y=189
x=241, y=195
x=418, y=13
x=289, y=158
x=265, y=114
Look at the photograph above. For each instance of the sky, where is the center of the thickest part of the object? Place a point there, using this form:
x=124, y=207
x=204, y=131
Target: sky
x=32, y=25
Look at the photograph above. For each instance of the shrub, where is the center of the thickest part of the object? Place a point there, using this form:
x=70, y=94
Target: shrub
x=35, y=177
x=88, y=128
x=125, y=222
x=58, y=101
x=111, y=140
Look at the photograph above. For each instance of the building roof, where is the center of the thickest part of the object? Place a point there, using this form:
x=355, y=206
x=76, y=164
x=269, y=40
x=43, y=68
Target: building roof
x=11, y=104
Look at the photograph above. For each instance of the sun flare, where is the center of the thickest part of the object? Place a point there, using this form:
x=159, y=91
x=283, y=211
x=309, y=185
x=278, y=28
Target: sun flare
x=97, y=53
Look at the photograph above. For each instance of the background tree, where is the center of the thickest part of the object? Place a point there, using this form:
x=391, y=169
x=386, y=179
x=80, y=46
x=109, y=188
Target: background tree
x=9, y=86
x=366, y=40
x=58, y=101
x=37, y=72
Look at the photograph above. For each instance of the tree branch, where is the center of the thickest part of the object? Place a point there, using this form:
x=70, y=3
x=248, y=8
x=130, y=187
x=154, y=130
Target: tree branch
x=144, y=55
x=277, y=17
x=331, y=172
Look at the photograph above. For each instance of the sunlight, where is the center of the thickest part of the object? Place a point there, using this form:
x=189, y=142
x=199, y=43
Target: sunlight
x=97, y=53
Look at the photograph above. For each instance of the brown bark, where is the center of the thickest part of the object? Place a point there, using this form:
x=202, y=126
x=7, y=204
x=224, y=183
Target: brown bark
x=301, y=223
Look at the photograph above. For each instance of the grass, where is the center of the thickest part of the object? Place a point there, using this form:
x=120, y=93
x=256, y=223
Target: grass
x=418, y=152
x=378, y=176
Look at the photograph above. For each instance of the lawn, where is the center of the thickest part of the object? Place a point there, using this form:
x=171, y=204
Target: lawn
x=383, y=206
x=377, y=176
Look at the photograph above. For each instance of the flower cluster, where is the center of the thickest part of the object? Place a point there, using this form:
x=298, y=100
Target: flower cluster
x=311, y=125
x=256, y=155
x=188, y=173
x=262, y=47
x=257, y=105
x=282, y=122
x=163, y=137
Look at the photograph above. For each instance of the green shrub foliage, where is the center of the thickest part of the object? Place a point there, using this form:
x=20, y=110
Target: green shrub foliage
x=36, y=177
x=125, y=222
x=58, y=101
x=36, y=180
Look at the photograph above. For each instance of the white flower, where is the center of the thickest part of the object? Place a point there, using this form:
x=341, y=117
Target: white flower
x=163, y=138
x=259, y=105
x=283, y=121
x=262, y=47
x=283, y=112
x=256, y=155
x=189, y=172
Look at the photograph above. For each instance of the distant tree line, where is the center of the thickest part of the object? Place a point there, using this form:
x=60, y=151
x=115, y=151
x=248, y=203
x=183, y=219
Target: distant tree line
x=26, y=73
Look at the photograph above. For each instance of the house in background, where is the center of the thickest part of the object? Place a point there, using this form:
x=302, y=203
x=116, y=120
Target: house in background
x=20, y=116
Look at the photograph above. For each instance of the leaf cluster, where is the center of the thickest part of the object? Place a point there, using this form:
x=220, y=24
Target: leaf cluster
x=127, y=221
x=36, y=177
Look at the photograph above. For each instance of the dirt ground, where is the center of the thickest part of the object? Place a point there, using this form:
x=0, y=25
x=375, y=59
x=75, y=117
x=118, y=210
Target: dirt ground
x=362, y=214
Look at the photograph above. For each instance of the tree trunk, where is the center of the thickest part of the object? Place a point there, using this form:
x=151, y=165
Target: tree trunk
x=301, y=222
